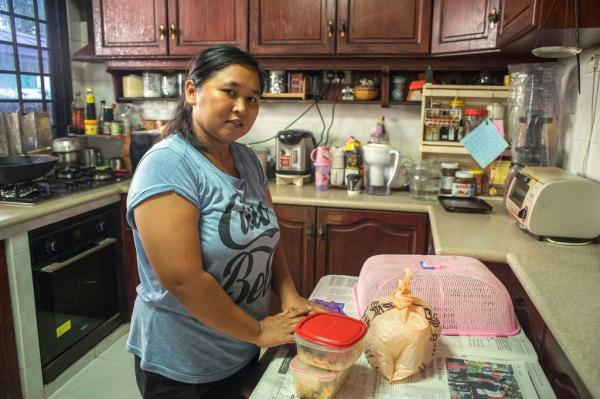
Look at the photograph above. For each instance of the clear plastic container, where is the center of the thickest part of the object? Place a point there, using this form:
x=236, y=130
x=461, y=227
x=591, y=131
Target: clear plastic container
x=473, y=118
x=330, y=341
x=425, y=179
x=315, y=383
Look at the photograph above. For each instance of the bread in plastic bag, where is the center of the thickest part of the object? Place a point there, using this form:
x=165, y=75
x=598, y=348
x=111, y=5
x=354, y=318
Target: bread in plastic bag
x=403, y=333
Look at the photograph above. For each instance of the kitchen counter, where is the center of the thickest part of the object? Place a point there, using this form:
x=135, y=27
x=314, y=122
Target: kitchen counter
x=19, y=218
x=563, y=282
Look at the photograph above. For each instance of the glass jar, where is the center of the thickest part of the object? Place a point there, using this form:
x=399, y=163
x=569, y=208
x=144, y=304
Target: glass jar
x=398, y=88
x=424, y=181
x=133, y=86
x=448, y=171
x=169, y=85
x=464, y=184
x=151, y=84
x=277, y=82
x=478, y=176
x=472, y=118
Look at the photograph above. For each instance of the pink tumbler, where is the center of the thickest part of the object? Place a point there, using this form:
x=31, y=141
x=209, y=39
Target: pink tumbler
x=322, y=160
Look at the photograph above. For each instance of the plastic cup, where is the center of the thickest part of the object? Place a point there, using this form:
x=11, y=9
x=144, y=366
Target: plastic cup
x=322, y=177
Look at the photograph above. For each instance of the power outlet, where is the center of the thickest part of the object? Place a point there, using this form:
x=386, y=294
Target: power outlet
x=594, y=59
x=346, y=80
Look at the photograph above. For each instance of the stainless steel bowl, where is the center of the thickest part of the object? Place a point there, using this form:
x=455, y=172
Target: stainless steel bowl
x=69, y=158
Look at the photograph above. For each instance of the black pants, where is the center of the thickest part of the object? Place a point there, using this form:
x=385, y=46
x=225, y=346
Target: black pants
x=156, y=386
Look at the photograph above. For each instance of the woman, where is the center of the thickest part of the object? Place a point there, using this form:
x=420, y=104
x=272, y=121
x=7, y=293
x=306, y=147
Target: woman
x=207, y=239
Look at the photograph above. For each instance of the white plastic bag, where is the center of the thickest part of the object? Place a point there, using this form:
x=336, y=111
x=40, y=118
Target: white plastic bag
x=402, y=334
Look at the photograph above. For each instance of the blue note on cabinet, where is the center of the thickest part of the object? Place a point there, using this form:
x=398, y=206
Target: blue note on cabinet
x=485, y=143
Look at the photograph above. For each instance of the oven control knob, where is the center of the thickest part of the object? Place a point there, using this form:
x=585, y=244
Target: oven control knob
x=100, y=226
x=51, y=246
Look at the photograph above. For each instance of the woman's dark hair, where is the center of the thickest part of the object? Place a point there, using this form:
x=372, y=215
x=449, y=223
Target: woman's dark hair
x=201, y=69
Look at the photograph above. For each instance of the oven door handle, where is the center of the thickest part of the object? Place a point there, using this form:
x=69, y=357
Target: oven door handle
x=52, y=267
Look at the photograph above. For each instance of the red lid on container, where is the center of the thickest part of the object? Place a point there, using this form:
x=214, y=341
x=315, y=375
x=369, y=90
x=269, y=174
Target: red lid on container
x=416, y=85
x=475, y=112
x=331, y=330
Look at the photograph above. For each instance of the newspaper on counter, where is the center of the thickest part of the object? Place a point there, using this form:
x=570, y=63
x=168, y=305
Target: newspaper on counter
x=464, y=367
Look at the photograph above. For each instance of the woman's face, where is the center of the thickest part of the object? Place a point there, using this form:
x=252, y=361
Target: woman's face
x=226, y=105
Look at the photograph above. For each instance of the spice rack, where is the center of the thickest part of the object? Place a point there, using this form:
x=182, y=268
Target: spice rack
x=474, y=97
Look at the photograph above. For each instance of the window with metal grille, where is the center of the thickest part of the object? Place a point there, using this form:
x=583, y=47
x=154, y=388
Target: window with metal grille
x=32, y=58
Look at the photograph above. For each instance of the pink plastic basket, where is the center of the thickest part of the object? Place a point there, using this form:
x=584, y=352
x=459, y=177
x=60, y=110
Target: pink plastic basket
x=465, y=295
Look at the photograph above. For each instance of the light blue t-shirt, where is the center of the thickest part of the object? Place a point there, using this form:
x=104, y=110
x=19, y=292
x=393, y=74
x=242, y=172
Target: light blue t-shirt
x=238, y=232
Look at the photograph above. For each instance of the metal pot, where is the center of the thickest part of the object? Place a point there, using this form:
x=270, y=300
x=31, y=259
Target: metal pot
x=90, y=157
x=68, y=150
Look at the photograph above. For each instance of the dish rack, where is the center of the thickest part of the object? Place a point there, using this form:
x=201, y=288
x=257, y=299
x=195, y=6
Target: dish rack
x=467, y=298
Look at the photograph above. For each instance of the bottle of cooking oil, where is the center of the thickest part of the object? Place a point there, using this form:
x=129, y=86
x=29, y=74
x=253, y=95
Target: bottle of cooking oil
x=91, y=123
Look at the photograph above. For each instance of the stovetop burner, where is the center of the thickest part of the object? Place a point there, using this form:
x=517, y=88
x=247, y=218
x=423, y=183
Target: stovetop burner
x=65, y=180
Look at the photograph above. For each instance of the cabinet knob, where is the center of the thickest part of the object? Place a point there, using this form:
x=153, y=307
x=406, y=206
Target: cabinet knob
x=330, y=28
x=321, y=232
x=173, y=31
x=162, y=30
x=343, y=29
x=494, y=17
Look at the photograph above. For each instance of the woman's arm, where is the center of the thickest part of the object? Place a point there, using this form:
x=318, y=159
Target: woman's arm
x=168, y=228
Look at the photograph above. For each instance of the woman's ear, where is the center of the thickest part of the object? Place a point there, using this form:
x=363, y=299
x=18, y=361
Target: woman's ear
x=190, y=92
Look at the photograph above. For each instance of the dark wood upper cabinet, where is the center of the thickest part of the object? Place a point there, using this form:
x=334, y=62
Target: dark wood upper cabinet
x=292, y=27
x=462, y=26
x=517, y=17
x=197, y=24
x=347, y=238
x=297, y=227
x=387, y=27
x=126, y=28
x=142, y=28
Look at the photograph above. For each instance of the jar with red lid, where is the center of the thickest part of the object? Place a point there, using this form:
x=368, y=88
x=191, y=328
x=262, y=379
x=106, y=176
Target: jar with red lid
x=472, y=117
x=330, y=341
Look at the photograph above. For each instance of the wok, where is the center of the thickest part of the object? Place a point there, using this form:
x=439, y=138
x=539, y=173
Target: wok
x=20, y=168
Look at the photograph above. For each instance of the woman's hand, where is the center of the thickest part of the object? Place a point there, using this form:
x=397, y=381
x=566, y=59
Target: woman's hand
x=278, y=329
x=298, y=302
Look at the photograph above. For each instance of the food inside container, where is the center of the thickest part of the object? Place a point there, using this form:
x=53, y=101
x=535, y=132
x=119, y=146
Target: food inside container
x=330, y=341
x=316, y=383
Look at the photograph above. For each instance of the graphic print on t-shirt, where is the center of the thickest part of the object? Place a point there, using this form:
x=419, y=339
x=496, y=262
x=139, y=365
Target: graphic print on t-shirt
x=238, y=270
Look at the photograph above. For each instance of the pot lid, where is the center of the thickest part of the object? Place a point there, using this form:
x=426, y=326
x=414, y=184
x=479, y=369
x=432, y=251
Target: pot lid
x=331, y=330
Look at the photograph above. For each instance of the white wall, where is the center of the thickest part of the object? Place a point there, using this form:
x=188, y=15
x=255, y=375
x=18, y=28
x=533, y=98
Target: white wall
x=86, y=74
x=576, y=113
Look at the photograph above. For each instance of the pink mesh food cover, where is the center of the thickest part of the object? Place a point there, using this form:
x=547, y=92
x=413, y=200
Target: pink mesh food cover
x=467, y=298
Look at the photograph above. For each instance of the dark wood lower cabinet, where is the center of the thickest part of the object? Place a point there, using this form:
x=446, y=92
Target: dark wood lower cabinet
x=10, y=383
x=129, y=261
x=347, y=238
x=560, y=372
x=297, y=226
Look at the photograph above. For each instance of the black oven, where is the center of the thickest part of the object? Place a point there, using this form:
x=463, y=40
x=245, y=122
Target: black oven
x=75, y=265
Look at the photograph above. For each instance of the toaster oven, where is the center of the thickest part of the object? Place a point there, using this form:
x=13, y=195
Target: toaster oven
x=551, y=202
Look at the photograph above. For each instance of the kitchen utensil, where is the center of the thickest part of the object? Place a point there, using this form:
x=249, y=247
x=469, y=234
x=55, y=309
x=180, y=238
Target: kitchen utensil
x=116, y=163
x=381, y=166
x=89, y=157
x=462, y=291
x=68, y=150
x=353, y=182
x=19, y=168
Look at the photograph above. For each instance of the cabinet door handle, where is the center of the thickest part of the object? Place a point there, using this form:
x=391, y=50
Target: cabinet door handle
x=162, y=30
x=343, y=29
x=173, y=31
x=494, y=17
x=330, y=28
x=321, y=232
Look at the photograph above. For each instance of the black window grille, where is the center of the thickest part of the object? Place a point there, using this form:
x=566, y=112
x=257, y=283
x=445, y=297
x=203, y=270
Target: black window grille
x=35, y=72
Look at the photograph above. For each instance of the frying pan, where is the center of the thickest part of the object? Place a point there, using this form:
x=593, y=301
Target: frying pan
x=20, y=168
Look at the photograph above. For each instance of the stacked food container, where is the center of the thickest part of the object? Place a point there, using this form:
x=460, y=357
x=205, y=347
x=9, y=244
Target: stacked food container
x=328, y=345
